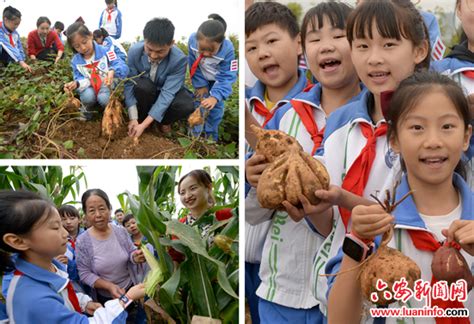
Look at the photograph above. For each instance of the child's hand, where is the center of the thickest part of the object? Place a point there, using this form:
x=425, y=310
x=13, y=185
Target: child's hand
x=62, y=258
x=91, y=307
x=136, y=292
x=138, y=256
x=25, y=66
x=462, y=231
x=70, y=86
x=209, y=103
x=200, y=92
x=328, y=199
x=370, y=221
x=109, y=78
x=254, y=168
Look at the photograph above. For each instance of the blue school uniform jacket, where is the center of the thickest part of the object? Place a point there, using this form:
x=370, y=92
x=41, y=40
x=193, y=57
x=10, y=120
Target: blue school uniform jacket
x=437, y=46
x=112, y=44
x=407, y=217
x=15, y=52
x=36, y=295
x=114, y=27
x=169, y=77
x=218, y=73
x=107, y=60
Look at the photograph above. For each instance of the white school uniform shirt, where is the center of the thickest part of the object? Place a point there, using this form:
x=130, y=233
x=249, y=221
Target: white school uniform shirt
x=287, y=256
x=343, y=142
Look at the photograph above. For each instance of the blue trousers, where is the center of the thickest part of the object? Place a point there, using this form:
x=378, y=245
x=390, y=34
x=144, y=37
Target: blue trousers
x=272, y=313
x=213, y=120
x=252, y=281
x=89, y=99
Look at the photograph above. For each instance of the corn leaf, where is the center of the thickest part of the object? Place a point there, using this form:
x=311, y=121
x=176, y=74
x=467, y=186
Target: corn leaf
x=191, y=239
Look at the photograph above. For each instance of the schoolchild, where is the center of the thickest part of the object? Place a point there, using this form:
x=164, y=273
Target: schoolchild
x=40, y=291
x=272, y=46
x=101, y=37
x=430, y=129
x=213, y=71
x=71, y=221
x=328, y=53
x=94, y=69
x=58, y=27
x=459, y=63
x=11, y=49
x=389, y=42
x=111, y=19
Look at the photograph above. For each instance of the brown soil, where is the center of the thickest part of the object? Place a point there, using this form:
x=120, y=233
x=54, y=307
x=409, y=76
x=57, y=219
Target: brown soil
x=86, y=135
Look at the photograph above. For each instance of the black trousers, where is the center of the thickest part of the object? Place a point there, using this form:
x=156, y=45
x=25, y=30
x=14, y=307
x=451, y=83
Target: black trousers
x=146, y=94
x=48, y=54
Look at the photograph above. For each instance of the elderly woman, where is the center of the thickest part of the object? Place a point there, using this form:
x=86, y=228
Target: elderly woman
x=105, y=254
x=44, y=44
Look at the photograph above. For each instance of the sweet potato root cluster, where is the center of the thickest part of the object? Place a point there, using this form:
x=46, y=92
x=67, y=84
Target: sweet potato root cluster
x=449, y=264
x=112, y=119
x=292, y=171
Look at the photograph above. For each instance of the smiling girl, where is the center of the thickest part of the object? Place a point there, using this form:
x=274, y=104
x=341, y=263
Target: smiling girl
x=31, y=227
x=430, y=129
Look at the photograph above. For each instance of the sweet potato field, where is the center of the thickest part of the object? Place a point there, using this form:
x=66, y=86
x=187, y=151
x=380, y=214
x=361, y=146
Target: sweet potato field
x=37, y=123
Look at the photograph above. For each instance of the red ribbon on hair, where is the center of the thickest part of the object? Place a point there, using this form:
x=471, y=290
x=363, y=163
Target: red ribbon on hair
x=426, y=242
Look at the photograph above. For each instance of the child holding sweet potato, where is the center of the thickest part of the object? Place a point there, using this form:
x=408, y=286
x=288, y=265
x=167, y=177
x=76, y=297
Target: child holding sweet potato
x=429, y=126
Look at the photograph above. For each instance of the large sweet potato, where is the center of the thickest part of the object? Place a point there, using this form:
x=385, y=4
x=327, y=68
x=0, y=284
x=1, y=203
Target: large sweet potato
x=273, y=143
x=290, y=175
x=195, y=118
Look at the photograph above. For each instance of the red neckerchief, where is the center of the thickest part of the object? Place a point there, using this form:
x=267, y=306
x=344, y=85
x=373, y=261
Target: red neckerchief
x=305, y=111
x=96, y=81
x=468, y=74
x=109, y=16
x=195, y=66
x=426, y=242
x=71, y=294
x=12, y=43
x=263, y=111
x=358, y=174
x=73, y=243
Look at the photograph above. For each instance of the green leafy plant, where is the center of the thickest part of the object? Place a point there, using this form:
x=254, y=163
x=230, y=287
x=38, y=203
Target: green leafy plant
x=49, y=181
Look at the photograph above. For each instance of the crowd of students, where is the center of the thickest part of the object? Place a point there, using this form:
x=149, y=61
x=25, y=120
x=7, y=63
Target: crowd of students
x=57, y=271
x=343, y=115
x=157, y=94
